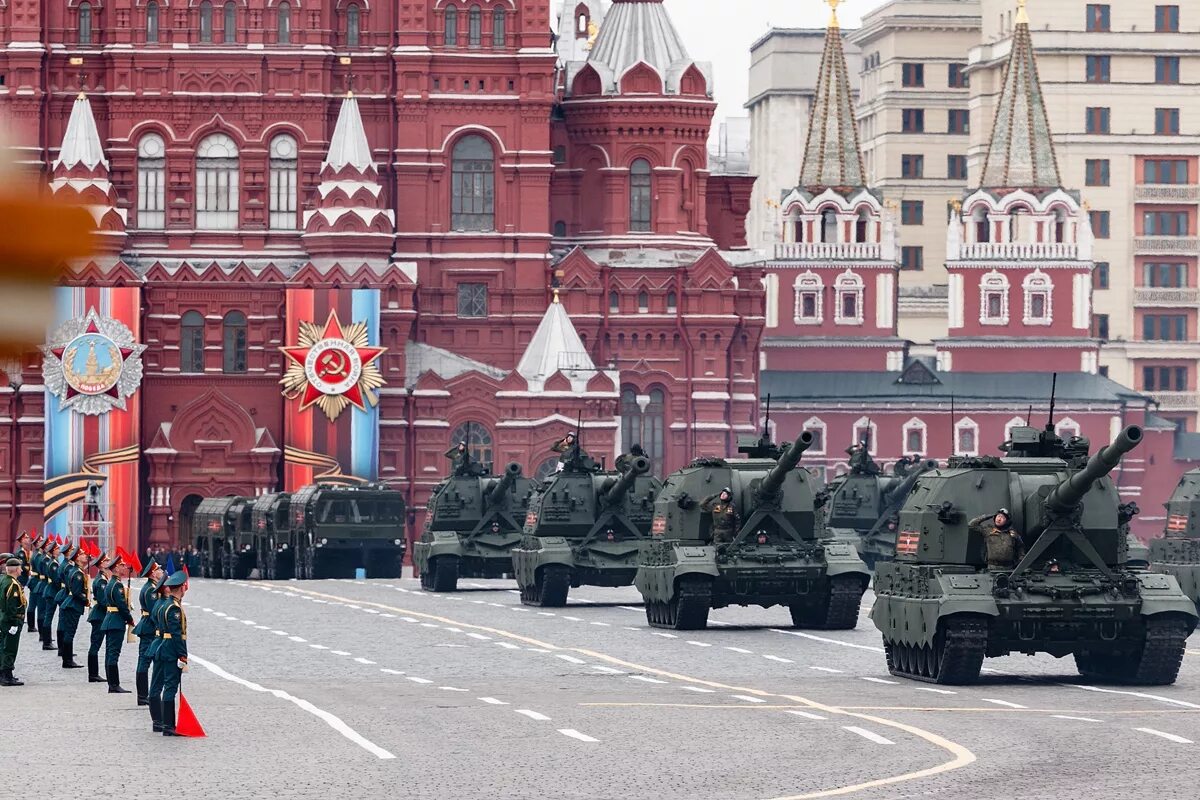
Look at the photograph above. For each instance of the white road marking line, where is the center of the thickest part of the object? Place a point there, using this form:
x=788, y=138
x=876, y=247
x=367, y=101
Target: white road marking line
x=628, y=608
x=297, y=639
x=1170, y=737
x=825, y=669
x=479, y=602
x=1075, y=719
x=209, y=610
x=607, y=670
x=390, y=671
x=630, y=628
x=454, y=630
x=805, y=714
x=780, y=660
x=574, y=734
x=408, y=619
x=1004, y=703
x=573, y=619
x=419, y=680
x=370, y=611
x=339, y=652
x=318, y=647
x=330, y=719
x=280, y=633
x=356, y=608
x=452, y=689
x=263, y=627
x=389, y=616
x=572, y=659
x=519, y=610
x=537, y=650
x=491, y=701
x=429, y=625
x=601, y=624
x=664, y=635
x=748, y=698
x=741, y=650
x=219, y=614
x=827, y=640
x=232, y=619
x=480, y=637
x=364, y=661
x=694, y=643
x=877, y=680
x=698, y=689
x=1143, y=695
x=870, y=736
x=247, y=622
x=645, y=679
x=508, y=645
x=497, y=605
x=935, y=691
x=525, y=712
x=546, y=614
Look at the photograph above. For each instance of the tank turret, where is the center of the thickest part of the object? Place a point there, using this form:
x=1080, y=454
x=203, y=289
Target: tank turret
x=862, y=508
x=1177, y=552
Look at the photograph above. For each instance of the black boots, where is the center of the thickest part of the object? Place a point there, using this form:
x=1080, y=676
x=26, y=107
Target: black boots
x=94, y=668
x=68, y=656
x=142, y=679
x=46, y=643
x=58, y=640
x=156, y=713
x=168, y=718
x=8, y=679
x=114, y=679
x=29, y=620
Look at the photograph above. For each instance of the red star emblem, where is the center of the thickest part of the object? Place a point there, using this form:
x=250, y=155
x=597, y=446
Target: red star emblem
x=59, y=352
x=335, y=363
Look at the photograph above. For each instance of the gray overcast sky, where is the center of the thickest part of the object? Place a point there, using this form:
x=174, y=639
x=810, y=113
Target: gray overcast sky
x=721, y=31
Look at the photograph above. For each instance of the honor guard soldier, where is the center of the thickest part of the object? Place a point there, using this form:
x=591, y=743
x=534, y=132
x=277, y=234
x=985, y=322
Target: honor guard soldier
x=60, y=596
x=12, y=617
x=724, y=516
x=147, y=599
x=37, y=570
x=96, y=616
x=49, y=589
x=170, y=653
x=75, y=602
x=25, y=553
x=117, y=620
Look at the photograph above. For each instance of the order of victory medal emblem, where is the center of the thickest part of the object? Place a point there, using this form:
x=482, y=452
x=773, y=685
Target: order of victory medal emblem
x=92, y=364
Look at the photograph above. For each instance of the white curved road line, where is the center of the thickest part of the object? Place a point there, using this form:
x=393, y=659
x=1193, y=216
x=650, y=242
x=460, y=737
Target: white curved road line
x=330, y=719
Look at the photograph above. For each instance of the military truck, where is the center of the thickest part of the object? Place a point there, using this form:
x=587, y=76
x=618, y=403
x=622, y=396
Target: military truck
x=583, y=528
x=942, y=610
x=269, y=519
x=472, y=523
x=862, y=506
x=334, y=529
x=1177, y=553
x=775, y=558
x=224, y=536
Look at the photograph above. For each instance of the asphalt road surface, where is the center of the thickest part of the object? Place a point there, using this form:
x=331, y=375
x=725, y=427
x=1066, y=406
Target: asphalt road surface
x=373, y=689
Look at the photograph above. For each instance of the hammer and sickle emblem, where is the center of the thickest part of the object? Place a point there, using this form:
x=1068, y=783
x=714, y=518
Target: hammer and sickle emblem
x=333, y=364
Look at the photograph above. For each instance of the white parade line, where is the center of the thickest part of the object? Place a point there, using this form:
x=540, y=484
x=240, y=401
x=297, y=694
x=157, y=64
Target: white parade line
x=698, y=689
x=364, y=661
x=318, y=647
x=525, y=712
x=339, y=652
x=1142, y=695
x=571, y=659
x=868, y=735
x=877, y=680
x=508, y=645
x=419, y=680
x=935, y=691
x=748, y=698
x=1074, y=719
x=645, y=679
x=491, y=701
x=1004, y=703
x=607, y=670
x=390, y=671
x=698, y=644
x=827, y=640
x=805, y=714
x=297, y=639
x=330, y=719
x=573, y=619
x=826, y=669
x=780, y=660
x=741, y=650
x=574, y=734
x=1170, y=737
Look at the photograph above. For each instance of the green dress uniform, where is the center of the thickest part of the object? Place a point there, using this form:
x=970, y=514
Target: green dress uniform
x=116, y=619
x=75, y=602
x=144, y=630
x=37, y=572
x=95, y=618
x=26, y=557
x=170, y=653
x=49, y=590
x=12, y=617
x=724, y=518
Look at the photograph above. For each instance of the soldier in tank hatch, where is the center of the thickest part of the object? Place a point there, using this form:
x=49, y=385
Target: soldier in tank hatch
x=1002, y=545
x=724, y=515
x=459, y=455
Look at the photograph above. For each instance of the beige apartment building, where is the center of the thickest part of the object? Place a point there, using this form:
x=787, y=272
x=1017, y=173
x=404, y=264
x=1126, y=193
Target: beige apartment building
x=1121, y=82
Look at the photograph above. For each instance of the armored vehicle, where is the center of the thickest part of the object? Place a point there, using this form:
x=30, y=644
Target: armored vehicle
x=942, y=609
x=775, y=556
x=224, y=537
x=269, y=519
x=1178, y=552
x=334, y=529
x=862, y=506
x=584, y=528
x=471, y=526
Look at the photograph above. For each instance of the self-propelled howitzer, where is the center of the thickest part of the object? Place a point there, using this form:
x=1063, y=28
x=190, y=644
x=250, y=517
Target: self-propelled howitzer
x=1177, y=553
x=942, y=609
x=862, y=509
x=616, y=493
x=774, y=557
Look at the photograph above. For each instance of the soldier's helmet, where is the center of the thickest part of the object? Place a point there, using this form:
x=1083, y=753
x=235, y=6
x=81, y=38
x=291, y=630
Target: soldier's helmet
x=1002, y=518
x=726, y=493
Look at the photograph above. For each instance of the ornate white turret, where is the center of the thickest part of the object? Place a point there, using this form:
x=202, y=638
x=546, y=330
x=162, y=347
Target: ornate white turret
x=80, y=175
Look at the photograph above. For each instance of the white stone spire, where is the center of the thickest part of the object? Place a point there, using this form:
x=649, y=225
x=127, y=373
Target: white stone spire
x=349, y=147
x=81, y=143
x=556, y=347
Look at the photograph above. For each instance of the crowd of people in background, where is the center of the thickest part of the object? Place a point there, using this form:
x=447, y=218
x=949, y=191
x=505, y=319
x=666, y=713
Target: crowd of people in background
x=181, y=558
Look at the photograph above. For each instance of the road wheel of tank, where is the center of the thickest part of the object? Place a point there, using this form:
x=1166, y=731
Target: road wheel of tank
x=444, y=570
x=891, y=653
x=959, y=649
x=688, y=608
x=553, y=582
x=845, y=597
x=427, y=577
x=1156, y=664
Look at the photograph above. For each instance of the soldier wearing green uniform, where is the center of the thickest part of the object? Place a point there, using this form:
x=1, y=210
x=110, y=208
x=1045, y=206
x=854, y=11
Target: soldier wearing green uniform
x=49, y=590
x=170, y=653
x=12, y=617
x=147, y=599
x=116, y=619
x=25, y=553
x=724, y=516
x=1003, y=547
x=96, y=617
x=37, y=570
x=75, y=602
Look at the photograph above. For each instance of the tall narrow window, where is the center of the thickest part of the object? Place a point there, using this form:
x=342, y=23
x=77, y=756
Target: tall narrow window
x=643, y=421
x=475, y=26
x=352, y=25
x=499, y=23
x=206, y=22
x=473, y=185
x=283, y=23
x=191, y=342
x=152, y=22
x=283, y=183
x=230, y=23
x=640, y=200
x=472, y=300
x=451, y=36
x=829, y=226
x=151, y=176
x=234, y=342
x=217, y=183
x=85, y=23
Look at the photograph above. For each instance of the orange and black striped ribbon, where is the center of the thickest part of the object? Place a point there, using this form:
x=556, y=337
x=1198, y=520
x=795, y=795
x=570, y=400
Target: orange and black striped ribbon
x=62, y=490
x=332, y=469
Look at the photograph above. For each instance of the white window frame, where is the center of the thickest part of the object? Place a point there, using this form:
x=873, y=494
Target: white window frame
x=993, y=282
x=152, y=182
x=965, y=424
x=1038, y=283
x=809, y=282
x=848, y=283
x=284, y=168
x=865, y=422
x=916, y=424
x=1015, y=422
x=1066, y=423
x=814, y=424
x=218, y=183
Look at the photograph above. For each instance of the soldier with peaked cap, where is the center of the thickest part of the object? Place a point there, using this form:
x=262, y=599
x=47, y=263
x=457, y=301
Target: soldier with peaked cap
x=96, y=616
x=12, y=617
x=49, y=589
x=75, y=602
x=64, y=573
x=37, y=571
x=170, y=652
x=147, y=599
x=25, y=553
x=116, y=619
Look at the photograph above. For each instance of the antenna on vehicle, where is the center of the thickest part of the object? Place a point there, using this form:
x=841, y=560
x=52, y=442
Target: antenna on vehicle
x=1029, y=415
x=767, y=422
x=953, y=428
x=1053, y=390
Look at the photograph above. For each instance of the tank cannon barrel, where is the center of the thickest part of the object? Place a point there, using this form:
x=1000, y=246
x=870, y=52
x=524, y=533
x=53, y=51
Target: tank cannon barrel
x=637, y=467
x=496, y=495
x=1070, y=492
x=902, y=486
x=787, y=462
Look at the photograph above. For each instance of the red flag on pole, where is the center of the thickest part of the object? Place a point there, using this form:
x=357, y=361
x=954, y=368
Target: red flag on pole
x=188, y=725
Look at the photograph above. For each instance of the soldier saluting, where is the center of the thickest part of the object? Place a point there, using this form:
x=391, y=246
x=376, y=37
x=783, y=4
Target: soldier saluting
x=12, y=618
x=724, y=515
x=1002, y=545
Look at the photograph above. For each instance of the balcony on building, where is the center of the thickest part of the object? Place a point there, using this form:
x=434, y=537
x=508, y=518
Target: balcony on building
x=1018, y=251
x=1166, y=193
x=1176, y=400
x=1159, y=297
x=1172, y=245
x=828, y=251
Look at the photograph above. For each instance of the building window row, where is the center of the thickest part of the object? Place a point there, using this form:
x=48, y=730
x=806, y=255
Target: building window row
x=1165, y=223
x=1165, y=328
x=809, y=291
x=1165, y=276
x=643, y=302
x=1098, y=120
x=206, y=29
x=1098, y=18
x=1165, y=379
x=1165, y=171
x=452, y=33
x=233, y=343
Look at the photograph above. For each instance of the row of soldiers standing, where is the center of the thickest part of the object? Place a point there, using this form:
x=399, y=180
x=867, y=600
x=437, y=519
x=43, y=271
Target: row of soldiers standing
x=56, y=575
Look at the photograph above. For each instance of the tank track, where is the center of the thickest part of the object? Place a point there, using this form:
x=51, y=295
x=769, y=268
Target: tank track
x=1156, y=664
x=442, y=575
x=687, y=610
x=955, y=657
x=838, y=611
x=550, y=588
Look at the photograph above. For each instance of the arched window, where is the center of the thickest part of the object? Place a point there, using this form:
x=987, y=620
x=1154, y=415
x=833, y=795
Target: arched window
x=829, y=226
x=217, y=183
x=848, y=289
x=475, y=26
x=546, y=469
x=643, y=302
x=283, y=183
x=583, y=16
x=1038, y=290
x=233, y=340
x=478, y=440
x=983, y=226
x=915, y=437
x=283, y=23
x=643, y=419
x=450, y=39
x=85, y=23
x=191, y=342
x=352, y=25
x=152, y=22
x=230, y=22
x=672, y=302
x=560, y=229
x=499, y=23
x=151, y=176
x=817, y=427
x=206, y=22
x=966, y=437
x=861, y=226
x=993, y=299
x=473, y=185
x=639, y=195
x=810, y=299
x=614, y=302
